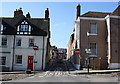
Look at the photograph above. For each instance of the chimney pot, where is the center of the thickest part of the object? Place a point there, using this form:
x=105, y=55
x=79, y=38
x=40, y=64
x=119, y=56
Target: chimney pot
x=78, y=11
x=47, y=14
x=28, y=15
x=18, y=12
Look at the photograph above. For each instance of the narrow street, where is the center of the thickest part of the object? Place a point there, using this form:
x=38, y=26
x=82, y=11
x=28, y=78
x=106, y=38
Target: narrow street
x=58, y=72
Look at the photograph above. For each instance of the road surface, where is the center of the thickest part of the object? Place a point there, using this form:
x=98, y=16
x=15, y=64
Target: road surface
x=58, y=73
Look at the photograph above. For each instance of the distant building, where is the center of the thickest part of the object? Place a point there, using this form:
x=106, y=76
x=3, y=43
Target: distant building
x=98, y=32
x=54, y=52
x=62, y=52
x=18, y=36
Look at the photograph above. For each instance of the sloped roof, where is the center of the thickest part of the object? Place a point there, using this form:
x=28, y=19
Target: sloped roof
x=95, y=14
x=102, y=14
x=40, y=24
x=116, y=11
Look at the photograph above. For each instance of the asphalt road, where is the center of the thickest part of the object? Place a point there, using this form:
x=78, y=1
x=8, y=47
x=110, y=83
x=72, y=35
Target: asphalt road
x=58, y=73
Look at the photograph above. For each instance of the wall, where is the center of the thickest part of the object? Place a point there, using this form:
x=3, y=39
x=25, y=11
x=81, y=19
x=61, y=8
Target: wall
x=25, y=51
x=99, y=62
x=114, y=40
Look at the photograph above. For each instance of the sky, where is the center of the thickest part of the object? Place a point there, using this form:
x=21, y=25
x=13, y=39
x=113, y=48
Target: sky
x=62, y=15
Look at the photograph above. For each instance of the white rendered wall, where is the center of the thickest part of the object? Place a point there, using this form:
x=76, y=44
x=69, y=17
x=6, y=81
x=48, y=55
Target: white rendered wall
x=25, y=51
x=6, y=51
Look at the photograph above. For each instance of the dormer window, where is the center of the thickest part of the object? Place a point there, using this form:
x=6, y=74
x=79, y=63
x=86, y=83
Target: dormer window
x=24, y=28
x=1, y=28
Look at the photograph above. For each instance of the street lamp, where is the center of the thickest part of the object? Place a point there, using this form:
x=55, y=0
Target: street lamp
x=35, y=48
x=88, y=51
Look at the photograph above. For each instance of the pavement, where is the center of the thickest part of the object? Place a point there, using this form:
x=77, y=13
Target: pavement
x=18, y=72
x=72, y=70
x=6, y=76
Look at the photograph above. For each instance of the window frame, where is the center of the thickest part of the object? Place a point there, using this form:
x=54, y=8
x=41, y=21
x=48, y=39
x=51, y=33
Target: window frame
x=24, y=28
x=1, y=64
x=29, y=42
x=91, y=33
x=93, y=50
x=16, y=60
x=18, y=38
x=4, y=41
x=1, y=28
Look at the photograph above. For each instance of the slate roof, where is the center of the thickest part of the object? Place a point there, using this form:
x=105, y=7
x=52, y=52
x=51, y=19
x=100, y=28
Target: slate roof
x=40, y=25
x=116, y=11
x=96, y=14
x=102, y=14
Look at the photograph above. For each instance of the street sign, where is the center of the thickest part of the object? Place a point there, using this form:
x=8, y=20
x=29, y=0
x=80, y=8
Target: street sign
x=88, y=51
x=77, y=51
x=35, y=61
x=35, y=47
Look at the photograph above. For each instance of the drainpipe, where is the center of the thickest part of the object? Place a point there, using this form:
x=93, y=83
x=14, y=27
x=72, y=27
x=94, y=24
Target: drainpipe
x=13, y=52
x=43, y=54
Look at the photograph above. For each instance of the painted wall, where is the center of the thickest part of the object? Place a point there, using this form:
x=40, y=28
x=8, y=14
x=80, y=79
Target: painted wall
x=25, y=51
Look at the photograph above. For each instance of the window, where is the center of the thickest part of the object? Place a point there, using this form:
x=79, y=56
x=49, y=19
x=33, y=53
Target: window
x=18, y=41
x=2, y=60
x=93, y=28
x=4, y=41
x=24, y=28
x=1, y=27
x=18, y=59
x=31, y=42
x=93, y=47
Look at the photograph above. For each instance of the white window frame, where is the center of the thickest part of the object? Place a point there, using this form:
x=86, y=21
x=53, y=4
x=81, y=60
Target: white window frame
x=4, y=41
x=17, y=41
x=24, y=28
x=1, y=61
x=29, y=42
x=16, y=63
x=1, y=27
x=91, y=33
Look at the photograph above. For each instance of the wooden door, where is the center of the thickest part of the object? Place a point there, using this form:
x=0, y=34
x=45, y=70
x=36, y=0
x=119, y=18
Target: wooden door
x=30, y=62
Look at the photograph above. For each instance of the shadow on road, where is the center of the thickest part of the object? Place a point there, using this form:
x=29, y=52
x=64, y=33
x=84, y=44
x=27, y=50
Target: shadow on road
x=61, y=66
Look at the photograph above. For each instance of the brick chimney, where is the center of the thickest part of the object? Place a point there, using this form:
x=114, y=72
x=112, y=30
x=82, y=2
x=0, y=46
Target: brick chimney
x=77, y=11
x=28, y=15
x=18, y=12
x=47, y=14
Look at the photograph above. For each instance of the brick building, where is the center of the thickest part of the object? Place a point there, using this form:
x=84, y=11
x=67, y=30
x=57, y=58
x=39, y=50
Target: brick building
x=98, y=33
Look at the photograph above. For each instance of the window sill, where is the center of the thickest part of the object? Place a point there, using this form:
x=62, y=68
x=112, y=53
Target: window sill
x=30, y=47
x=4, y=65
x=92, y=34
x=4, y=46
x=18, y=47
x=92, y=55
x=18, y=64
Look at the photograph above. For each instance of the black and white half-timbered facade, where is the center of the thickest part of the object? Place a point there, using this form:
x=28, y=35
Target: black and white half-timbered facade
x=18, y=35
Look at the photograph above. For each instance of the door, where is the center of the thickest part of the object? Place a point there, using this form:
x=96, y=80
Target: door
x=30, y=62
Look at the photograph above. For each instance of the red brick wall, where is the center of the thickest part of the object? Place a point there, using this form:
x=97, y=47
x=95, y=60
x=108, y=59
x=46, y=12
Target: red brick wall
x=100, y=61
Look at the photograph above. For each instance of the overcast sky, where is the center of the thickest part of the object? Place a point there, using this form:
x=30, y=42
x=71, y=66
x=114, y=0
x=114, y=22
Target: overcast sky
x=62, y=15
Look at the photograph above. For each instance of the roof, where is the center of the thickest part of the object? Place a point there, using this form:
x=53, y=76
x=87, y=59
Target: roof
x=116, y=11
x=101, y=14
x=39, y=24
x=95, y=14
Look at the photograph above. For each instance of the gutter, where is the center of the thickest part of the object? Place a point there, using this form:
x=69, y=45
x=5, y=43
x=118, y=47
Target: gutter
x=43, y=53
x=13, y=52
